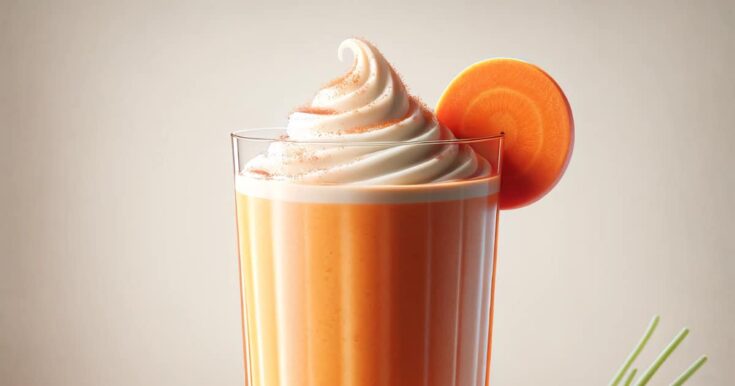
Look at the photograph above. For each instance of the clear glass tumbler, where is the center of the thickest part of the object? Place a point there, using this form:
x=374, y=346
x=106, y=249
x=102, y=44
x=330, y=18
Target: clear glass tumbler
x=366, y=285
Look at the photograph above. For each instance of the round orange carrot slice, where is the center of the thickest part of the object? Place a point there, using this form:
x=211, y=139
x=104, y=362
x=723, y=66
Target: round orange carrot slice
x=524, y=103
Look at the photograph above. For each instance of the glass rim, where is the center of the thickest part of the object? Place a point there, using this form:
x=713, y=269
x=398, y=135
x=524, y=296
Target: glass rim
x=251, y=135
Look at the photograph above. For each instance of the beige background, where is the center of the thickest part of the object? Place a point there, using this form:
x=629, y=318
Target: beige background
x=118, y=241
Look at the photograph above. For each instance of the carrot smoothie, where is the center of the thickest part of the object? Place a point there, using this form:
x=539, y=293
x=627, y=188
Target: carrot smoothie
x=366, y=239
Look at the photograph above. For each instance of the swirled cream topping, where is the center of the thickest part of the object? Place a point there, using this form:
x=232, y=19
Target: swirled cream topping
x=364, y=128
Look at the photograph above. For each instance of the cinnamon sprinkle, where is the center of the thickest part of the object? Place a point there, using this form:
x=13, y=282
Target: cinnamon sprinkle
x=261, y=173
x=315, y=110
x=349, y=78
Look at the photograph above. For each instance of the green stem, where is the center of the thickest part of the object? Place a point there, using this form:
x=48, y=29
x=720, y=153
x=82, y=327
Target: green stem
x=690, y=371
x=629, y=380
x=637, y=350
x=662, y=357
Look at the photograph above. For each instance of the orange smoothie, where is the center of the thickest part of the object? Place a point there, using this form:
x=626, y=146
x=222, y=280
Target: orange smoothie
x=367, y=225
x=367, y=286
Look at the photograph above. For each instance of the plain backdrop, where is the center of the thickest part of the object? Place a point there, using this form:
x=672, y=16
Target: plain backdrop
x=118, y=237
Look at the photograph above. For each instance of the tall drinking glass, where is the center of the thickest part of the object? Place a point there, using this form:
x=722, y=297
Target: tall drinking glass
x=366, y=284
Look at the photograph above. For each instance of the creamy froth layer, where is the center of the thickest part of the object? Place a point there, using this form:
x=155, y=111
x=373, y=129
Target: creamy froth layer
x=367, y=194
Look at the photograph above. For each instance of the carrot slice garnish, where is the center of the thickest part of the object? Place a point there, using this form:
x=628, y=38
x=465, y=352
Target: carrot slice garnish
x=524, y=103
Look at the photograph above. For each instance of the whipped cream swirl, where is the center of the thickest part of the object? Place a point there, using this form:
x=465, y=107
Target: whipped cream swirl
x=364, y=128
